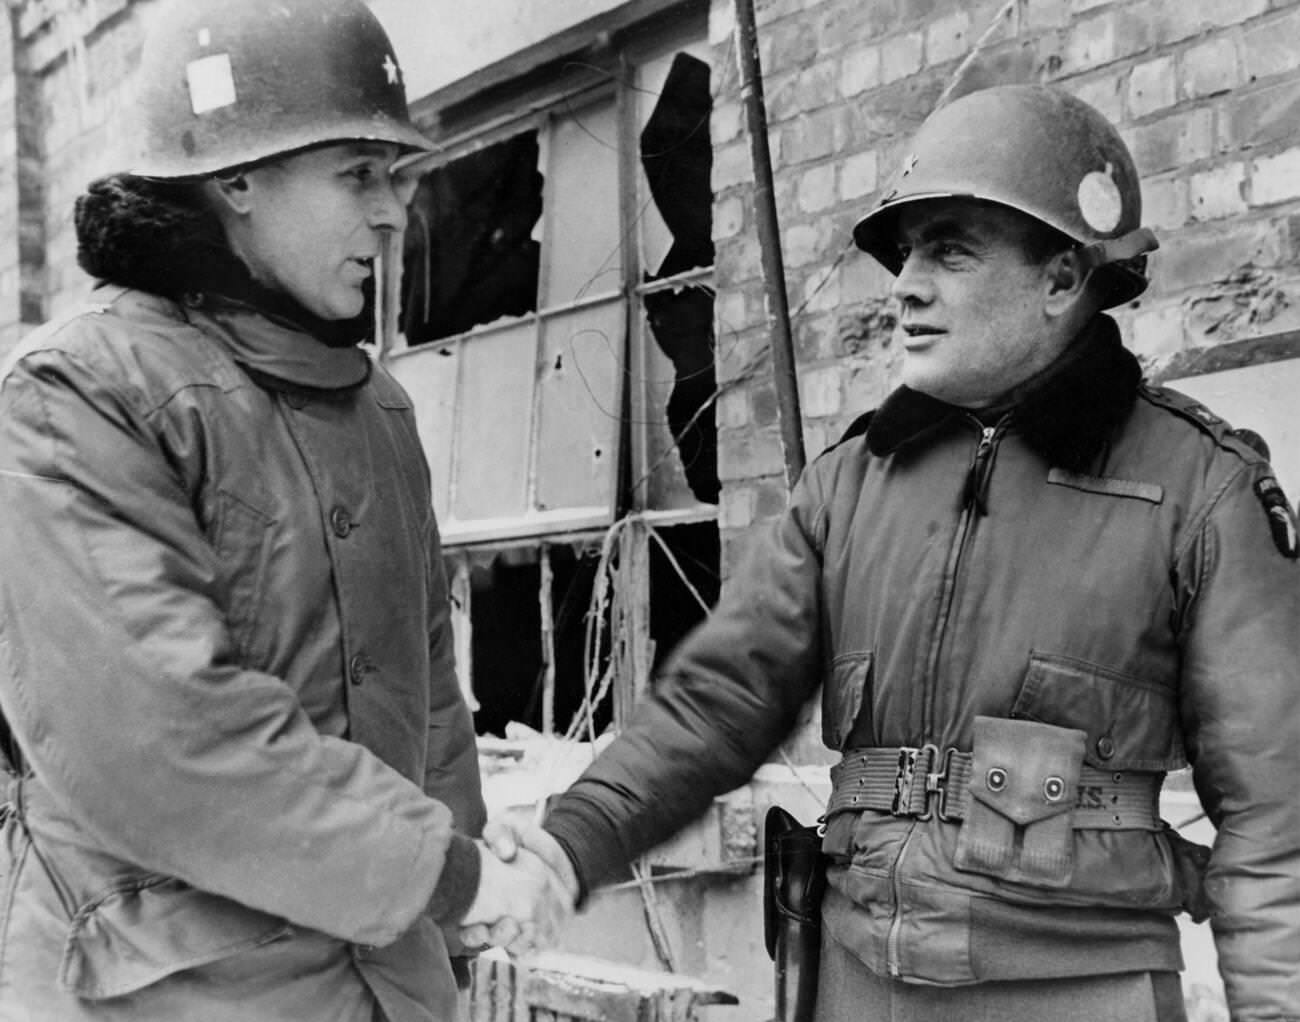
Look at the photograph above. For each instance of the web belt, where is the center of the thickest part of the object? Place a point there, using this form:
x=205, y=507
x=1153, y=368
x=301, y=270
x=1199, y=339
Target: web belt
x=926, y=781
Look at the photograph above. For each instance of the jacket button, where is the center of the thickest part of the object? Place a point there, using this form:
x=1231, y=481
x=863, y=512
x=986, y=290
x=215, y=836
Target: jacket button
x=358, y=668
x=1105, y=746
x=996, y=779
x=341, y=522
x=1054, y=788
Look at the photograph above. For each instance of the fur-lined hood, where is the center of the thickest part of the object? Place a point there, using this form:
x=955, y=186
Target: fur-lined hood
x=161, y=237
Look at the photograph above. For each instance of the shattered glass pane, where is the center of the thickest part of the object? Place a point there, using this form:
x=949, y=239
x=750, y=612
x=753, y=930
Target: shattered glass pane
x=677, y=161
x=470, y=255
x=677, y=158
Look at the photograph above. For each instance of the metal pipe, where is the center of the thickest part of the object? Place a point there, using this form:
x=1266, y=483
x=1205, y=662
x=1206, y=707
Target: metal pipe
x=769, y=239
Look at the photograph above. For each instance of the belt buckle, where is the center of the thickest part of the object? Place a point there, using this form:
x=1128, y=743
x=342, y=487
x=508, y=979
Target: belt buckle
x=903, y=778
x=936, y=783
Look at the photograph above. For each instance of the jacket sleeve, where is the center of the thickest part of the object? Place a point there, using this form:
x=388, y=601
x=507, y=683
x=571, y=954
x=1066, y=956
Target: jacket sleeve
x=1241, y=715
x=728, y=696
x=133, y=710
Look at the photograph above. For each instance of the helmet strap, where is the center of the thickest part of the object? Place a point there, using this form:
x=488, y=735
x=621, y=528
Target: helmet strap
x=1119, y=250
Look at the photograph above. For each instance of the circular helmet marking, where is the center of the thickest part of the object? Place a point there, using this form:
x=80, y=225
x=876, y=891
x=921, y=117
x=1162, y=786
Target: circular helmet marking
x=1100, y=203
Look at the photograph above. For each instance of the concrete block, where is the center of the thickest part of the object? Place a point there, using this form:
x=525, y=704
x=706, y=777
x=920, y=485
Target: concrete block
x=1103, y=91
x=820, y=291
x=860, y=70
x=1151, y=86
x=731, y=166
x=1090, y=43
x=726, y=123
x=1216, y=252
x=1210, y=68
x=1260, y=117
x=1176, y=20
x=1172, y=141
x=763, y=403
x=820, y=392
x=816, y=188
x=1165, y=202
x=736, y=507
x=728, y=217
x=1275, y=179
x=1158, y=331
x=750, y=454
x=809, y=137
x=1271, y=46
x=733, y=408
x=948, y=38
x=1218, y=193
x=901, y=56
x=859, y=175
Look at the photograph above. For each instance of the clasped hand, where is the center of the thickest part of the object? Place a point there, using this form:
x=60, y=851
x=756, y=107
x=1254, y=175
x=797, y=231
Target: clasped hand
x=527, y=890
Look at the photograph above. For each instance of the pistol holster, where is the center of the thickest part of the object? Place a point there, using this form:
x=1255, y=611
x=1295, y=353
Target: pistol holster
x=793, y=882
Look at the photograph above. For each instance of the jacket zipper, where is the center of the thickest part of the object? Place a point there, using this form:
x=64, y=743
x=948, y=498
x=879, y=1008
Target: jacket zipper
x=974, y=493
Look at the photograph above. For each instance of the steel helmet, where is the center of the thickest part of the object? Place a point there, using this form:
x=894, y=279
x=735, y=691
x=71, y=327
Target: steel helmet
x=225, y=83
x=1041, y=151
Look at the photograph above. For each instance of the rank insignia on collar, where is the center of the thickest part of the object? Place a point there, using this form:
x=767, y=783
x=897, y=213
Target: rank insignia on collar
x=1281, y=518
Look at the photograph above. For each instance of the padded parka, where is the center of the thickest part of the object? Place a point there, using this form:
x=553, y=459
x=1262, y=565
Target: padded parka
x=226, y=655
x=1104, y=557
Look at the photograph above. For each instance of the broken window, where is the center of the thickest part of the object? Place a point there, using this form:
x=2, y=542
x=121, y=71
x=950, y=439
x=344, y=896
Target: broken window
x=542, y=634
x=557, y=306
x=469, y=249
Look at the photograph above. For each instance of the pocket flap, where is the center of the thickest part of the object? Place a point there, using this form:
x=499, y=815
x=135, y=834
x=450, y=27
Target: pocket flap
x=1131, y=724
x=842, y=697
x=143, y=932
x=1024, y=770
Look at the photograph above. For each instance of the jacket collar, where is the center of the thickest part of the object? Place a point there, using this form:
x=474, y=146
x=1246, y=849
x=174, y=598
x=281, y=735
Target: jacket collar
x=159, y=237
x=1068, y=415
x=277, y=353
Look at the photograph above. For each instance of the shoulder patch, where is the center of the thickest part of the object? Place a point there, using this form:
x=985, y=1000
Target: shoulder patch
x=1281, y=516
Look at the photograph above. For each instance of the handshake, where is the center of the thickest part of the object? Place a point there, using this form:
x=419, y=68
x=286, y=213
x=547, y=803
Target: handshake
x=527, y=891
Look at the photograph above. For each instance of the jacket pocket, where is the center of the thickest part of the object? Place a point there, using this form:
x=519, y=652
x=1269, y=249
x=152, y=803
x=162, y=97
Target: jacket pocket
x=242, y=538
x=146, y=930
x=843, y=696
x=1130, y=724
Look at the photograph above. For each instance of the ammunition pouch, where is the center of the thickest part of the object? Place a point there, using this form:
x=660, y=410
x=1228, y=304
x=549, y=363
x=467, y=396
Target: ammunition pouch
x=793, y=883
x=1023, y=786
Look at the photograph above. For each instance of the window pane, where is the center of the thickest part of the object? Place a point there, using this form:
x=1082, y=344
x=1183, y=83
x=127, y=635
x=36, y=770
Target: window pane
x=495, y=408
x=583, y=256
x=580, y=389
x=429, y=376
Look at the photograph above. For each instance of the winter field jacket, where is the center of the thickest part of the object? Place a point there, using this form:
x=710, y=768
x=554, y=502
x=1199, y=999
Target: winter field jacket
x=1105, y=560
x=226, y=654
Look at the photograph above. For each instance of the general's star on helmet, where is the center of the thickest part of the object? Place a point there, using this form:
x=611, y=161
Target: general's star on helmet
x=391, y=69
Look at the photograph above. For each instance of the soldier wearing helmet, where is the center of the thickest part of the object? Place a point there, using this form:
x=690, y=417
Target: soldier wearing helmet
x=1027, y=586
x=241, y=779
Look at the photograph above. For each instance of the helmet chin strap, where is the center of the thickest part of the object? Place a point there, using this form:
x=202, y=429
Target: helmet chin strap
x=1118, y=250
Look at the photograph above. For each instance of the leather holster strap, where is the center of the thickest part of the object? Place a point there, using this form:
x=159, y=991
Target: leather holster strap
x=929, y=782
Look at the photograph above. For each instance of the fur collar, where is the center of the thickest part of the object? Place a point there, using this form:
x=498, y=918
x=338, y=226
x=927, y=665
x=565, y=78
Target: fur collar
x=159, y=236
x=1068, y=416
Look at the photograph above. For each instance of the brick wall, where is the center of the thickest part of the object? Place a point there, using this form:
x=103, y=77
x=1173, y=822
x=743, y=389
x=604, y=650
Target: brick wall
x=1206, y=92
x=10, y=271
x=65, y=80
